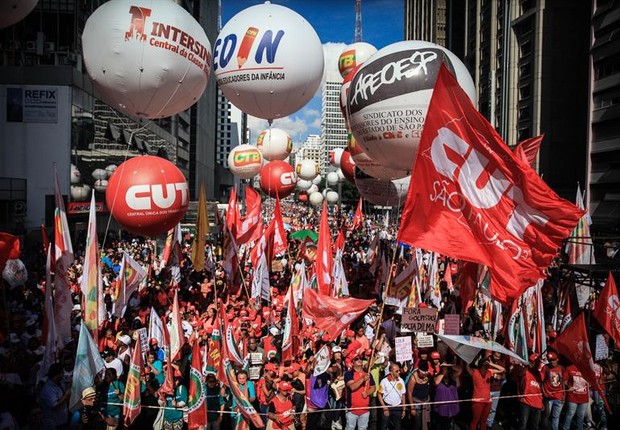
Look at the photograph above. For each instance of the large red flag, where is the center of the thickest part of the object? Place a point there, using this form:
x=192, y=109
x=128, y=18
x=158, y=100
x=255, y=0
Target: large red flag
x=249, y=227
x=332, y=314
x=471, y=198
x=358, y=217
x=573, y=344
x=131, y=401
x=197, y=410
x=325, y=260
x=607, y=311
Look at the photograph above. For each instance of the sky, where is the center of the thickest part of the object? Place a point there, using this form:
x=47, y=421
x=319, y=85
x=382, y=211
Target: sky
x=334, y=22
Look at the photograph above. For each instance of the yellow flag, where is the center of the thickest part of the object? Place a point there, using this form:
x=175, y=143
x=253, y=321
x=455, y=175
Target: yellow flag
x=202, y=229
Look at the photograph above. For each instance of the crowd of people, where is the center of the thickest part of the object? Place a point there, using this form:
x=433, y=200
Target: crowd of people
x=363, y=386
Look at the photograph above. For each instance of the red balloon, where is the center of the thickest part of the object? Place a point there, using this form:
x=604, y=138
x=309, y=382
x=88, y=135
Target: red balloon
x=147, y=195
x=303, y=196
x=347, y=166
x=278, y=178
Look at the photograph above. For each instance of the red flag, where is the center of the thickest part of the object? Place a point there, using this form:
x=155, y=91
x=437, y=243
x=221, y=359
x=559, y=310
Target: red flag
x=131, y=402
x=332, y=314
x=290, y=338
x=573, y=344
x=472, y=199
x=325, y=260
x=197, y=411
x=358, y=217
x=607, y=311
x=232, y=212
x=9, y=248
x=249, y=227
x=340, y=242
x=528, y=149
x=280, y=243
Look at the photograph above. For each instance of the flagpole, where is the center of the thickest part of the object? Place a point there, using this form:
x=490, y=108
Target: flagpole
x=379, y=320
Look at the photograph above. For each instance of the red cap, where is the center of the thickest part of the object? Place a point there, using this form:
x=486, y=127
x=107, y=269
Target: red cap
x=294, y=366
x=284, y=386
x=153, y=341
x=435, y=355
x=534, y=357
x=552, y=356
x=271, y=367
x=349, y=333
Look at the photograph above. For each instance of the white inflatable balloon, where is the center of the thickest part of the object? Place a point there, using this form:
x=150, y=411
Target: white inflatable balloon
x=317, y=180
x=332, y=178
x=245, y=161
x=382, y=192
x=100, y=185
x=341, y=176
x=76, y=176
x=110, y=169
x=13, y=11
x=80, y=193
x=304, y=185
x=353, y=56
x=313, y=189
x=316, y=198
x=389, y=96
x=147, y=58
x=331, y=197
x=268, y=61
x=99, y=174
x=334, y=156
x=370, y=166
x=307, y=169
x=274, y=144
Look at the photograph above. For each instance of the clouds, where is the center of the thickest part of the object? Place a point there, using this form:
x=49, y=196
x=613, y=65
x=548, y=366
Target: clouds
x=307, y=120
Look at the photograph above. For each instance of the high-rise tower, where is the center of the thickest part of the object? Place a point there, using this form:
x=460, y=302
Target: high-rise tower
x=358, y=37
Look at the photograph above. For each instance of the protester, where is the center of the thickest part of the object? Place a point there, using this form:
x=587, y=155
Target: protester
x=481, y=403
x=392, y=398
x=553, y=390
x=531, y=393
x=360, y=388
x=577, y=398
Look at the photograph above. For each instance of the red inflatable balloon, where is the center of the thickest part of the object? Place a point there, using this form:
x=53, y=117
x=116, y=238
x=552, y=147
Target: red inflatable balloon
x=147, y=195
x=278, y=178
x=347, y=165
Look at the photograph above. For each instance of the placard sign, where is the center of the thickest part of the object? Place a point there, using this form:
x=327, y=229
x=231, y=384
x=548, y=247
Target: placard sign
x=602, y=350
x=144, y=341
x=419, y=319
x=403, y=348
x=452, y=324
x=425, y=341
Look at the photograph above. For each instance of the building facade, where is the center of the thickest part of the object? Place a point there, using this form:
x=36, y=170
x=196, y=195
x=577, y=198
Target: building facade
x=333, y=131
x=42, y=56
x=604, y=117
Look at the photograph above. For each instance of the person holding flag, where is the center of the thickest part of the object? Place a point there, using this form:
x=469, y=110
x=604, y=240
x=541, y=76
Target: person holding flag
x=173, y=414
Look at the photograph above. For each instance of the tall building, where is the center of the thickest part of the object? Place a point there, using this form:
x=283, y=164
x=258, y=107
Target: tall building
x=439, y=21
x=42, y=55
x=529, y=61
x=333, y=131
x=311, y=149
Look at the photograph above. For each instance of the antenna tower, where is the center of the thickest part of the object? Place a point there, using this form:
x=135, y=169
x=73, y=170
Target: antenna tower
x=219, y=15
x=358, y=21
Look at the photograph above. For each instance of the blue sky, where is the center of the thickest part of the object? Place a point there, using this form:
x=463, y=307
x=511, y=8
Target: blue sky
x=334, y=22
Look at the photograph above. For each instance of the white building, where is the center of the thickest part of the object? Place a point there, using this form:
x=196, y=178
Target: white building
x=311, y=149
x=333, y=131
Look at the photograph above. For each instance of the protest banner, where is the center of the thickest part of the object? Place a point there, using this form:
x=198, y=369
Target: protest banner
x=421, y=320
x=403, y=348
x=424, y=341
x=602, y=350
x=144, y=340
x=452, y=324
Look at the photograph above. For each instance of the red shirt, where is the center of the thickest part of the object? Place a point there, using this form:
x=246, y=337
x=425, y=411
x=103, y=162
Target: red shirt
x=580, y=392
x=482, y=385
x=283, y=410
x=554, y=382
x=531, y=389
x=355, y=399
